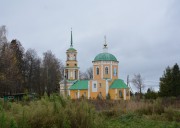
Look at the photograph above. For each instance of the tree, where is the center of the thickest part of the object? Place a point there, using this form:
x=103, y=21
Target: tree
x=32, y=71
x=11, y=67
x=3, y=41
x=170, y=82
x=51, y=72
x=151, y=94
x=138, y=83
x=88, y=74
x=17, y=52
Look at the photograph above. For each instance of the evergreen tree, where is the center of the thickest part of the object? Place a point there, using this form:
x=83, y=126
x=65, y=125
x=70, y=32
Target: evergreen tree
x=175, y=80
x=170, y=82
x=151, y=94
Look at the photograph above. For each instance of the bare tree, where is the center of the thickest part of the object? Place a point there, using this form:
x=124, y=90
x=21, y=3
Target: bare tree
x=138, y=83
x=32, y=71
x=88, y=74
x=3, y=32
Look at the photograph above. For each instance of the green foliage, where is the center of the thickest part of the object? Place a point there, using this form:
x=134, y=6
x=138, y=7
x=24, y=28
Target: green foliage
x=2, y=120
x=132, y=120
x=13, y=124
x=170, y=82
x=128, y=117
x=151, y=94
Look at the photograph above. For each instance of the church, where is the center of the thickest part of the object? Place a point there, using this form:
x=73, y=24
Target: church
x=105, y=83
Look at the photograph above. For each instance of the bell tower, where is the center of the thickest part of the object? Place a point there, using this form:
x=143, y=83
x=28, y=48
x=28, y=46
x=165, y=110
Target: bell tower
x=71, y=71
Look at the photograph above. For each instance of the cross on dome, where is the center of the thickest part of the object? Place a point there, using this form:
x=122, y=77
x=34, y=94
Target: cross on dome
x=105, y=49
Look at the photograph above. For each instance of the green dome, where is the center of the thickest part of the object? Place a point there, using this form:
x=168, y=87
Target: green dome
x=71, y=49
x=105, y=57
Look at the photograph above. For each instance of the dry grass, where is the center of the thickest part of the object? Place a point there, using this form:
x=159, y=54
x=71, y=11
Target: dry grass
x=57, y=112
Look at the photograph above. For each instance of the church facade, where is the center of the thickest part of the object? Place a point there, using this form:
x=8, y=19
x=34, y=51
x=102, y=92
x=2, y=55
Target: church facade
x=105, y=83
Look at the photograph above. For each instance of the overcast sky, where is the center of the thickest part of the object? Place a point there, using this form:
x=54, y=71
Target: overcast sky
x=144, y=35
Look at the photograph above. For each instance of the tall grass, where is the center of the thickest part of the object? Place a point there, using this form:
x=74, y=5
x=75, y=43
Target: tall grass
x=58, y=112
x=54, y=111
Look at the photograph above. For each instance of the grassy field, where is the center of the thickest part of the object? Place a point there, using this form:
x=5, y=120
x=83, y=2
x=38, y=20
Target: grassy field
x=59, y=112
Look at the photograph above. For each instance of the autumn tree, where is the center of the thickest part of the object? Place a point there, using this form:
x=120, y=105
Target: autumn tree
x=3, y=51
x=32, y=71
x=138, y=83
x=51, y=72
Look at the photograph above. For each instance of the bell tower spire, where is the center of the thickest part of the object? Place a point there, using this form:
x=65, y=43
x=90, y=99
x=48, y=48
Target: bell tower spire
x=71, y=39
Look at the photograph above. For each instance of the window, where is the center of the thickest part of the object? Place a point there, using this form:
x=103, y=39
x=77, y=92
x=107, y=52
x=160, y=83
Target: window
x=106, y=70
x=94, y=85
x=75, y=64
x=100, y=85
x=115, y=72
x=67, y=64
x=97, y=71
x=120, y=94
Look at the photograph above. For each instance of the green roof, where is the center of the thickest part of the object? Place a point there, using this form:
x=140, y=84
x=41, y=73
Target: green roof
x=118, y=83
x=71, y=49
x=80, y=85
x=105, y=57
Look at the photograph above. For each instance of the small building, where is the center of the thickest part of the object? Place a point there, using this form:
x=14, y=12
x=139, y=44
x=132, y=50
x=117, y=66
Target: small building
x=18, y=96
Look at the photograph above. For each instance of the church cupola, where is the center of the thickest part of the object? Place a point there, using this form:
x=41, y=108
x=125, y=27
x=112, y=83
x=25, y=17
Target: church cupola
x=105, y=65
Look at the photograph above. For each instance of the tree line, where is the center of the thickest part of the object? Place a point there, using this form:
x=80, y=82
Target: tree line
x=22, y=70
x=169, y=85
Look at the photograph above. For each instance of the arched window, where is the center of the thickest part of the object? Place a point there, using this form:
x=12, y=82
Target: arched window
x=106, y=70
x=97, y=71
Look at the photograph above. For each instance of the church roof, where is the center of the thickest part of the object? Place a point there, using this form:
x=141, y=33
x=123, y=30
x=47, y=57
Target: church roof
x=71, y=49
x=118, y=83
x=80, y=85
x=105, y=57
